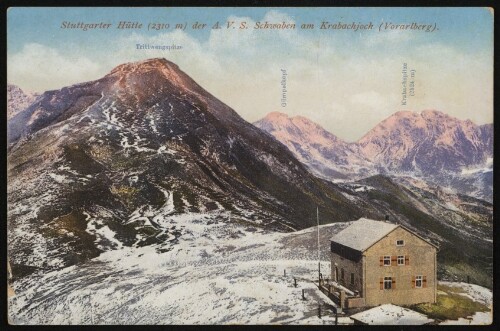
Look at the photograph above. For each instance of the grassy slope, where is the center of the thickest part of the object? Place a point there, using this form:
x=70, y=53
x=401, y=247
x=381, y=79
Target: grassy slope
x=451, y=305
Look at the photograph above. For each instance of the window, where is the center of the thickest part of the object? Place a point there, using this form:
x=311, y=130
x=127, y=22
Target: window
x=342, y=273
x=387, y=283
x=352, y=278
x=387, y=260
x=418, y=281
x=400, y=242
x=401, y=260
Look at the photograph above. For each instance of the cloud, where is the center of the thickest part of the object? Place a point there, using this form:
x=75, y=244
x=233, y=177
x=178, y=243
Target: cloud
x=38, y=66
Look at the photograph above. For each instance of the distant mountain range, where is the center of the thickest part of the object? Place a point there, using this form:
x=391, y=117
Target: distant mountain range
x=125, y=160
x=325, y=153
x=427, y=144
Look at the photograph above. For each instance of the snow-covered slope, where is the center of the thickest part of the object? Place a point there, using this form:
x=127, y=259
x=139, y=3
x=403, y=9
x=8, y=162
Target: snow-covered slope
x=219, y=272
x=18, y=100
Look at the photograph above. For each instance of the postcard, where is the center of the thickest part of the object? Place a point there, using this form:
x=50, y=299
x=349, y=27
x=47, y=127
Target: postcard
x=249, y=166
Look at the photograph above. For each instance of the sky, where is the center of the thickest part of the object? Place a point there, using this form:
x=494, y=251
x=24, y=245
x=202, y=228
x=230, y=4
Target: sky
x=345, y=80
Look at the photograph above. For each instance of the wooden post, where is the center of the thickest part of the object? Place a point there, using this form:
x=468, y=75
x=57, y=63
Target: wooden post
x=294, y=281
x=284, y=272
x=319, y=311
x=319, y=272
x=303, y=297
x=319, y=254
x=468, y=279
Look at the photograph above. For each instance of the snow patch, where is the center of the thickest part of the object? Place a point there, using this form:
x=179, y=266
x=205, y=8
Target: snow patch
x=479, y=318
x=390, y=314
x=60, y=178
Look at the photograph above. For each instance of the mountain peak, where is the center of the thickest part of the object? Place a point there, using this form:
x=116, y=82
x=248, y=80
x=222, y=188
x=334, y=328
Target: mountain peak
x=277, y=118
x=404, y=113
x=432, y=113
x=276, y=115
x=152, y=83
x=144, y=66
x=426, y=113
x=429, y=141
x=321, y=150
x=167, y=69
x=296, y=126
x=410, y=119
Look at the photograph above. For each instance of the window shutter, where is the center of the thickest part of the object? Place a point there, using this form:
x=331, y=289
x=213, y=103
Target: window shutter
x=424, y=282
x=407, y=260
x=381, y=261
x=394, y=260
x=412, y=281
x=381, y=283
x=393, y=283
